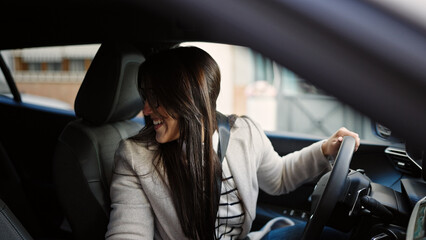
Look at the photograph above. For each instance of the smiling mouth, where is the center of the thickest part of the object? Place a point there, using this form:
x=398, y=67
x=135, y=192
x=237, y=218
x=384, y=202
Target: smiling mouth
x=157, y=124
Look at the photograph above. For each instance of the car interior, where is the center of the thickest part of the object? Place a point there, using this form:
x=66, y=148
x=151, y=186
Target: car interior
x=84, y=155
x=11, y=227
x=56, y=165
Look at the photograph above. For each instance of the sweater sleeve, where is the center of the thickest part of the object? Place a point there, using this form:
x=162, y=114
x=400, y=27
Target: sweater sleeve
x=279, y=175
x=131, y=215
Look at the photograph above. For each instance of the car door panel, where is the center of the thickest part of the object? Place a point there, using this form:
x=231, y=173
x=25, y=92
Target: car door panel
x=29, y=135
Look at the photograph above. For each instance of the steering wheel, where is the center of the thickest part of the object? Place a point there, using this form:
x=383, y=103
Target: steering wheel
x=332, y=192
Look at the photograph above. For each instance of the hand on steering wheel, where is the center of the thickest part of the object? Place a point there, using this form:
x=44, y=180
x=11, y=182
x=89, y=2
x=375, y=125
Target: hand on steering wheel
x=333, y=190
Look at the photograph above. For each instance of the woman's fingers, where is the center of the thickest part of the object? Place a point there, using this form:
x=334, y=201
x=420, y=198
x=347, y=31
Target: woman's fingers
x=332, y=145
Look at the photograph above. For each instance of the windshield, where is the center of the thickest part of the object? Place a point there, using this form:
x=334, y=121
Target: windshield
x=280, y=100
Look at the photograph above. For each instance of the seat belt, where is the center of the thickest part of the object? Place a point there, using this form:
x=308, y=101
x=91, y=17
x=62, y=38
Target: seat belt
x=224, y=125
x=224, y=129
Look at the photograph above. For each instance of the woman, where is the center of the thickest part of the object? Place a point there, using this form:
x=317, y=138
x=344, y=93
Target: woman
x=165, y=178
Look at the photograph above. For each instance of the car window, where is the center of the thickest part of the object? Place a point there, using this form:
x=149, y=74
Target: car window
x=4, y=88
x=50, y=76
x=277, y=98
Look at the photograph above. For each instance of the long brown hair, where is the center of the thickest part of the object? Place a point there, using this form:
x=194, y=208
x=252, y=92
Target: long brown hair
x=186, y=82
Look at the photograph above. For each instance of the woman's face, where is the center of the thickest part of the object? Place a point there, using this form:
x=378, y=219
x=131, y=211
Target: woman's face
x=166, y=127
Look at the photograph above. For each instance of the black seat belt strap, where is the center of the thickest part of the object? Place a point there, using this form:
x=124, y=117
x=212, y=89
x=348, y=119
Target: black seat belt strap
x=224, y=129
x=224, y=134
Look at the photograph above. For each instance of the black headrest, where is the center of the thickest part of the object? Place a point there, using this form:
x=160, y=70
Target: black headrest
x=109, y=89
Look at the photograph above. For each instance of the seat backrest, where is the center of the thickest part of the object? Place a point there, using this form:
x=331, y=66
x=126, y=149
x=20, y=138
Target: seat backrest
x=12, y=193
x=10, y=227
x=107, y=99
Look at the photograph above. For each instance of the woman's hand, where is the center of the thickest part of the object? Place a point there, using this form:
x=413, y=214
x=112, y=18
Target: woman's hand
x=331, y=146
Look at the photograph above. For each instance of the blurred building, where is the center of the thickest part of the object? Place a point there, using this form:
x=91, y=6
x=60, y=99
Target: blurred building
x=53, y=72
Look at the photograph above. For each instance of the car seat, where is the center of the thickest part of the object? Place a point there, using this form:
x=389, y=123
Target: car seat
x=12, y=193
x=107, y=99
x=10, y=227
